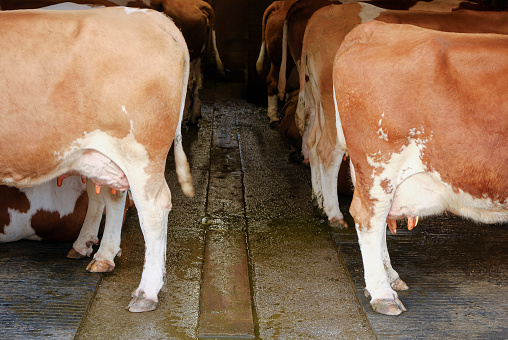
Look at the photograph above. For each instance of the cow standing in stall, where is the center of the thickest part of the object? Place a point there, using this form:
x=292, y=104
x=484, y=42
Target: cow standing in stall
x=315, y=113
x=271, y=42
x=423, y=115
x=70, y=66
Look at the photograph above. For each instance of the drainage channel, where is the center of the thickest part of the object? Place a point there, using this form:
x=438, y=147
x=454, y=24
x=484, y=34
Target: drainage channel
x=225, y=309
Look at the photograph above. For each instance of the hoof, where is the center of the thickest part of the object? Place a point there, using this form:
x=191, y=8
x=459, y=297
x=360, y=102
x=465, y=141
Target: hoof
x=74, y=254
x=275, y=124
x=295, y=156
x=388, y=306
x=141, y=304
x=338, y=223
x=100, y=266
x=399, y=285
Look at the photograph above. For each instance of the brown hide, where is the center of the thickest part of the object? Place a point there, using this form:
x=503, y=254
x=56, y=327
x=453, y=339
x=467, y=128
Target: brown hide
x=449, y=87
x=328, y=27
x=192, y=17
x=29, y=4
x=273, y=22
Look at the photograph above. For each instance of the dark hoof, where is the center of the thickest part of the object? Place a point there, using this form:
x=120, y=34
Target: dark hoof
x=338, y=223
x=275, y=124
x=295, y=156
x=74, y=254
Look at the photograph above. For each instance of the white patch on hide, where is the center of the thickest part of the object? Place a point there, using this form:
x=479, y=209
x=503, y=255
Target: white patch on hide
x=382, y=135
x=48, y=197
x=426, y=194
x=70, y=6
x=369, y=12
x=130, y=10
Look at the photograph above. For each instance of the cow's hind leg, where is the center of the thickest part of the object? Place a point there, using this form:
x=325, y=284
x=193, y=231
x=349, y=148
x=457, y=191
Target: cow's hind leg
x=371, y=230
x=103, y=260
x=153, y=218
x=83, y=246
x=315, y=174
x=395, y=281
x=384, y=299
x=272, y=81
x=329, y=177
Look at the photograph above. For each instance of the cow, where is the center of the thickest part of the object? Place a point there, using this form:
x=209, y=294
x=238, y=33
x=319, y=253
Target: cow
x=271, y=42
x=98, y=93
x=423, y=115
x=195, y=18
x=315, y=114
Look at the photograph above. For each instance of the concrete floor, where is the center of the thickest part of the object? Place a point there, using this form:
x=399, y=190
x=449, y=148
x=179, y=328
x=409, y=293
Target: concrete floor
x=249, y=258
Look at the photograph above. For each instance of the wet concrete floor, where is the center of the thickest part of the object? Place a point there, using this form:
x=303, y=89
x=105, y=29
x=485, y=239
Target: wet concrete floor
x=248, y=257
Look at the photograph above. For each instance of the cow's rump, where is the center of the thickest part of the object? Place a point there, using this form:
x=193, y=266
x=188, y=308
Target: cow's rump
x=423, y=116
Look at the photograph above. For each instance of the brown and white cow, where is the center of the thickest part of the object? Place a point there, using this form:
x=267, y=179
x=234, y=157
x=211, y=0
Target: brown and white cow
x=195, y=18
x=100, y=93
x=271, y=42
x=423, y=116
x=315, y=113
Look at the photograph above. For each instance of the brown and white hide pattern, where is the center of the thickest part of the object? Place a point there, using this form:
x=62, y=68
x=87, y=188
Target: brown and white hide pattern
x=119, y=75
x=45, y=212
x=423, y=117
x=271, y=42
x=315, y=114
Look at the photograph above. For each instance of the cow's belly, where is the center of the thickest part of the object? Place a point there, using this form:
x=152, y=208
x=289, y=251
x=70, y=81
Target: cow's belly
x=424, y=194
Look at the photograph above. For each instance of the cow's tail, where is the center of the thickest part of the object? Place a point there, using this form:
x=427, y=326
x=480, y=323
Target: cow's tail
x=218, y=61
x=261, y=58
x=262, y=51
x=181, y=163
x=282, y=72
x=207, y=8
